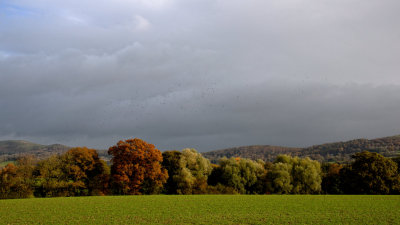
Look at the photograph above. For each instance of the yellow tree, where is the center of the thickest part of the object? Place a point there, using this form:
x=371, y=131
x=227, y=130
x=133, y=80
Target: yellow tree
x=78, y=172
x=86, y=172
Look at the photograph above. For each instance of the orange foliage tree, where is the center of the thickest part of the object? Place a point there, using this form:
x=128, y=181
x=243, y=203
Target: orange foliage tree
x=16, y=180
x=136, y=168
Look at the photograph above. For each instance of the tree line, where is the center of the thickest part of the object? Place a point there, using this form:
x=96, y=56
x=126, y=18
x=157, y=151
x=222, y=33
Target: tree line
x=138, y=167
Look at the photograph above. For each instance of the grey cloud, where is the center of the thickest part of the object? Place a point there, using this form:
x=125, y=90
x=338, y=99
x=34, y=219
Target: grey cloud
x=204, y=74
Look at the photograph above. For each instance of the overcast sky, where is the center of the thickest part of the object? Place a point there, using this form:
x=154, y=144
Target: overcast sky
x=206, y=74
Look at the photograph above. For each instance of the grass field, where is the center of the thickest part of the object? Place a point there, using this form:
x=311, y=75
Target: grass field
x=3, y=164
x=204, y=209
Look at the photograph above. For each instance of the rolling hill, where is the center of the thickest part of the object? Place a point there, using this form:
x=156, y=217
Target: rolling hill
x=264, y=152
x=12, y=149
x=342, y=151
x=330, y=152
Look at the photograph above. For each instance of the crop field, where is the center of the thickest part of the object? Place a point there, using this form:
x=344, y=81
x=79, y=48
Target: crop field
x=203, y=209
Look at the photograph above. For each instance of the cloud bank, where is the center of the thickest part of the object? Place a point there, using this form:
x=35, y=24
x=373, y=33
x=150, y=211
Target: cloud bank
x=203, y=74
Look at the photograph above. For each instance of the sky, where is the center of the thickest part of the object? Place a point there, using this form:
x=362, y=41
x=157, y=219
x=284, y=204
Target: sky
x=203, y=74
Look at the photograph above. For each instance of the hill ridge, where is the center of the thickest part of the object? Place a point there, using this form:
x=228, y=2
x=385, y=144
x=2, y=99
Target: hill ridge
x=12, y=149
x=329, y=152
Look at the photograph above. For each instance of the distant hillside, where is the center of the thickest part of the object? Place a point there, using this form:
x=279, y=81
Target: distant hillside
x=342, y=151
x=331, y=152
x=103, y=154
x=11, y=150
x=264, y=152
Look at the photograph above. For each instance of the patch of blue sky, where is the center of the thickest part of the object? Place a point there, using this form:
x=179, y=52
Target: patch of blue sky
x=18, y=10
x=5, y=54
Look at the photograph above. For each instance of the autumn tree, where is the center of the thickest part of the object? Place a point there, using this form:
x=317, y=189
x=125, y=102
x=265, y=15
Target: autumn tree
x=78, y=172
x=8, y=183
x=136, y=167
x=85, y=171
x=16, y=181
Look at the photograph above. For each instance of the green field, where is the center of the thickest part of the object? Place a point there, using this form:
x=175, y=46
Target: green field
x=204, y=209
x=3, y=164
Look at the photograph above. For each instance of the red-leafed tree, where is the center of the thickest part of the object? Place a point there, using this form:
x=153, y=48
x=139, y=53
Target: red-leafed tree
x=136, y=168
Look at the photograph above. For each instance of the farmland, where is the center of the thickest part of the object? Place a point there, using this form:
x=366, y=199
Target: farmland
x=204, y=209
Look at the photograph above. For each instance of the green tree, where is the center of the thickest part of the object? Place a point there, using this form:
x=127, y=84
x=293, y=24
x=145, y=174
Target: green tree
x=294, y=175
x=50, y=178
x=397, y=161
x=371, y=173
x=171, y=163
x=279, y=178
x=331, y=182
x=193, y=172
x=244, y=175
